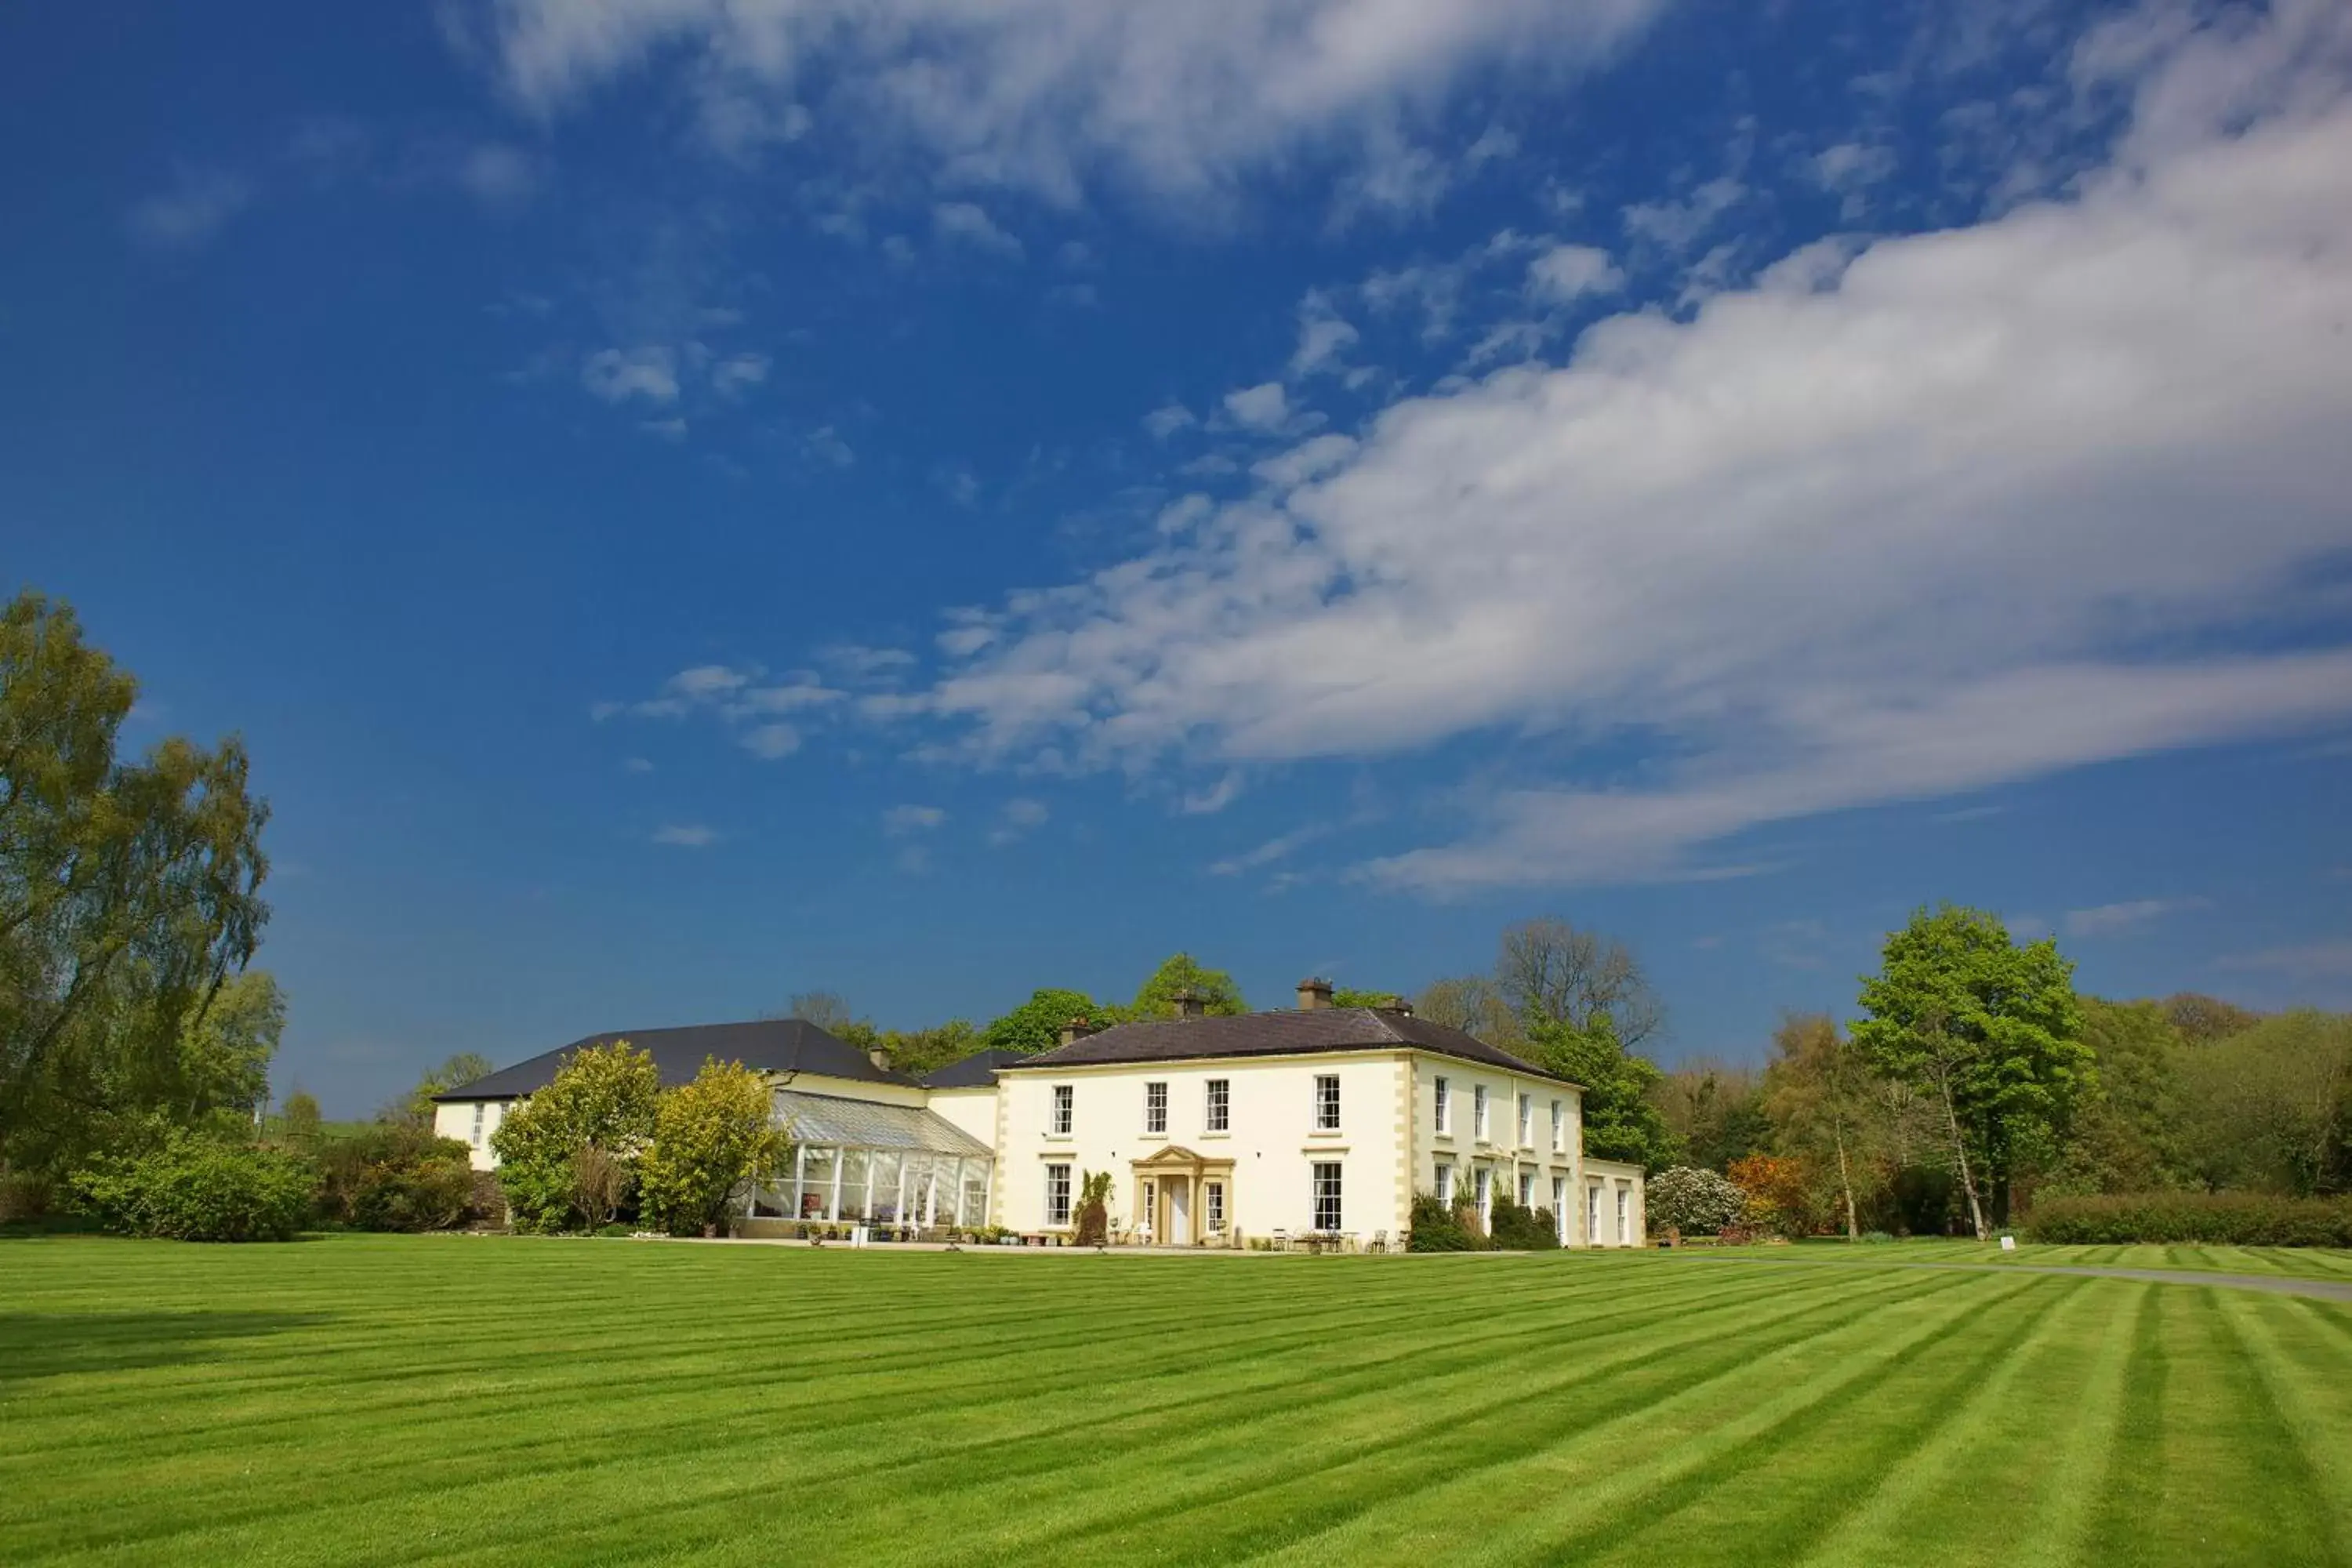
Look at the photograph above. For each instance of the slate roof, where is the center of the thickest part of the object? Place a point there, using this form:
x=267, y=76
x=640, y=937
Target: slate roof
x=1277, y=1034
x=827, y=1118
x=977, y=1071
x=765, y=1045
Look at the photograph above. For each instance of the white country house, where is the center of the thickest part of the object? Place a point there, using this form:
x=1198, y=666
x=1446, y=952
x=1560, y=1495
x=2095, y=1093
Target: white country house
x=1312, y=1121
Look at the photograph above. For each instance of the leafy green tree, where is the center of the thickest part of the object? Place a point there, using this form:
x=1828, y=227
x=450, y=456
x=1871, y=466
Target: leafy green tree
x=1817, y=1097
x=1621, y=1120
x=711, y=1137
x=1156, y=998
x=226, y=1049
x=2131, y=1132
x=1990, y=1030
x=299, y=1120
x=129, y=893
x=919, y=1051
x=1714, y=1113
x=574, y=1146
x=1036, y=1024
x=2202, y=1019
x=415, y=1107
x=1357, y=996
x=2275, y=1105
x=396, y=1177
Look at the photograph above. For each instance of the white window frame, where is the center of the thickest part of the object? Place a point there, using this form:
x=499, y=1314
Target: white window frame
x=1478, y=1112
x=1558, y=1126
x=1527, y=1121
x=1445, y=1183
x=1593, y=1214
x=1213, y=1204
x=1443, y=1099
x=1327, y=1103
x=481, y=1110
x=1057, y=1193
x=1066, y=1110
x=1325, y=1187
x=1559, y=1208
x=1217, y=1107
x=1155, y=1106
x=1526, y=1189
x=1624, y=1213
x=1485, y=1184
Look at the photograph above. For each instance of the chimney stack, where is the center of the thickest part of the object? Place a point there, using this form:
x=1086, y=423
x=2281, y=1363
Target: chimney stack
x=1397, y=1006
x=1074, y=1030
x=880, y=1057
x=1314, y=992
x=1188, y=1004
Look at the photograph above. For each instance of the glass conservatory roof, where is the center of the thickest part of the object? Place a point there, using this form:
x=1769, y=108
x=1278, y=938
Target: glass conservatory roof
x=824, y=1119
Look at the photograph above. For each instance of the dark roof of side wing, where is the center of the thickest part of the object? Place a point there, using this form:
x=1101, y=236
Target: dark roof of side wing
x=765, y=1044
x=977, y=1071
x=1315, y=1029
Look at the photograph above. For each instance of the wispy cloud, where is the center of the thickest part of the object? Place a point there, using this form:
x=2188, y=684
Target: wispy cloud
x=2310, y=961
x=685, y=836
x=198, y=205
x=2111, y=919
x=902, y=820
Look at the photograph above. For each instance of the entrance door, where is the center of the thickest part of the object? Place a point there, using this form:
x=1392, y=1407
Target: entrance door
x=1179, y=1214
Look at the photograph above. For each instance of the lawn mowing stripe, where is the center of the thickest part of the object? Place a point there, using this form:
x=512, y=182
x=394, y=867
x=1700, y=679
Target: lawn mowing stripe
x=1212, y=1402
x=365, y=1486
x=1651, y=1489
x=1515, y=1489
x=2311, y=1412
x=1054, y=1459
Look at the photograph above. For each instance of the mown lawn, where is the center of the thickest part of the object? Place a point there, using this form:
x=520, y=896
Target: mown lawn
x=2283, y=1262
x=488, y=1400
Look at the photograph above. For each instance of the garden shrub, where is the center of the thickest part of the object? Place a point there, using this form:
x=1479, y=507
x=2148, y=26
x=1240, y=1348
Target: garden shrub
x=1518, y=1229
x=396, y=1177
x=2225, y=1219
x=1694, y=1202
x=188, y=1187
x=1437, y=1229
x=1092, y=1220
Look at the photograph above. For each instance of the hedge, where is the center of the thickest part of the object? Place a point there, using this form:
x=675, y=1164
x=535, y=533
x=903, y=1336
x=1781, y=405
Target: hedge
x=189, y=1187
x=2228, y=1219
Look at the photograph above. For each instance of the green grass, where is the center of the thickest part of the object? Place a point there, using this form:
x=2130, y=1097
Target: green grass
x=363, y=1400
x=2283, y=1262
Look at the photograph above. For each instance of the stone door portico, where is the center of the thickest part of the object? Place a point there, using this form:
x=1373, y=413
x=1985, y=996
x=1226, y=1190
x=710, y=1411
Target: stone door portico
x=1174, y=1200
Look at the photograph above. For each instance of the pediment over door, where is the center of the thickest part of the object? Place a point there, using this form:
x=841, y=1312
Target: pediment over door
x=1174, y=1154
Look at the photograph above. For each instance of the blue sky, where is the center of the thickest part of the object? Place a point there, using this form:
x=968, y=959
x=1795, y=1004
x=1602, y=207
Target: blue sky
x=689, y=501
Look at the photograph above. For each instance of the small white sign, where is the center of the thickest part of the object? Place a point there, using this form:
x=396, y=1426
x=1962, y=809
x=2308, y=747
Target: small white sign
x=2009, y=1244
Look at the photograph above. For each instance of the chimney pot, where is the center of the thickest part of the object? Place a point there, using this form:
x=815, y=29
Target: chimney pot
x=1314, y=992
x=1188, y=1004
x=1074, y=1030
x=1397, y=1006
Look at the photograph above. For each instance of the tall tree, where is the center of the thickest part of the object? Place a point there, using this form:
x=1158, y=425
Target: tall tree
x=1816, y=1093
x=1621, y=1120
x=225, y=1050
x=1552, y=972
x=1989, y=1028
x=1156, y=998
x=2130, y=1134
x=1715, y=1111
x=129, y=891
x=2202, y=1019
x=2275, y=1105
x=711, y=1137
x=415, y=1107
x=574, y=1144
x=1036, y=1024
x=1474, y=1005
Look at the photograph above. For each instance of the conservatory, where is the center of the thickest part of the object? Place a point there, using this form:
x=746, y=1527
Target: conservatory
x=888, y=1165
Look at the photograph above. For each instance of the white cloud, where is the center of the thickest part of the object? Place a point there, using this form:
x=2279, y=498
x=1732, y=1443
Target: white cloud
x=1262, y=407
x=772, y=740
x=1566, y=273
x=2111, y=919
x=1021, y=816
x=737, y=374
x=1167, y=420
x=1308, y=460
x=636, y=766
x=1987, y=503
x=497, y=175
x=1048, y=96
x=902, y=820
x=1215, y=798
x=1678, y=226
x=616, y=375
x=968, y=223
x=685, y=836
x=823, y=445
x=198, y=205
x=2312, y=960
x=1323, y=336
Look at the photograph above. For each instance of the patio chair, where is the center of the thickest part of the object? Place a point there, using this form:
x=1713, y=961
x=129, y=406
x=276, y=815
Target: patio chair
x=1379, y=1242
x=1282, y=1241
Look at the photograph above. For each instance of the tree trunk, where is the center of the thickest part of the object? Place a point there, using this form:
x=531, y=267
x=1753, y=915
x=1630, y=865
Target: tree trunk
x=1845, y=1185
x=1960, y=1149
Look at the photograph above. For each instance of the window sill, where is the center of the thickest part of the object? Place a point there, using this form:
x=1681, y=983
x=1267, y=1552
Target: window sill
x=1207, y=1136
